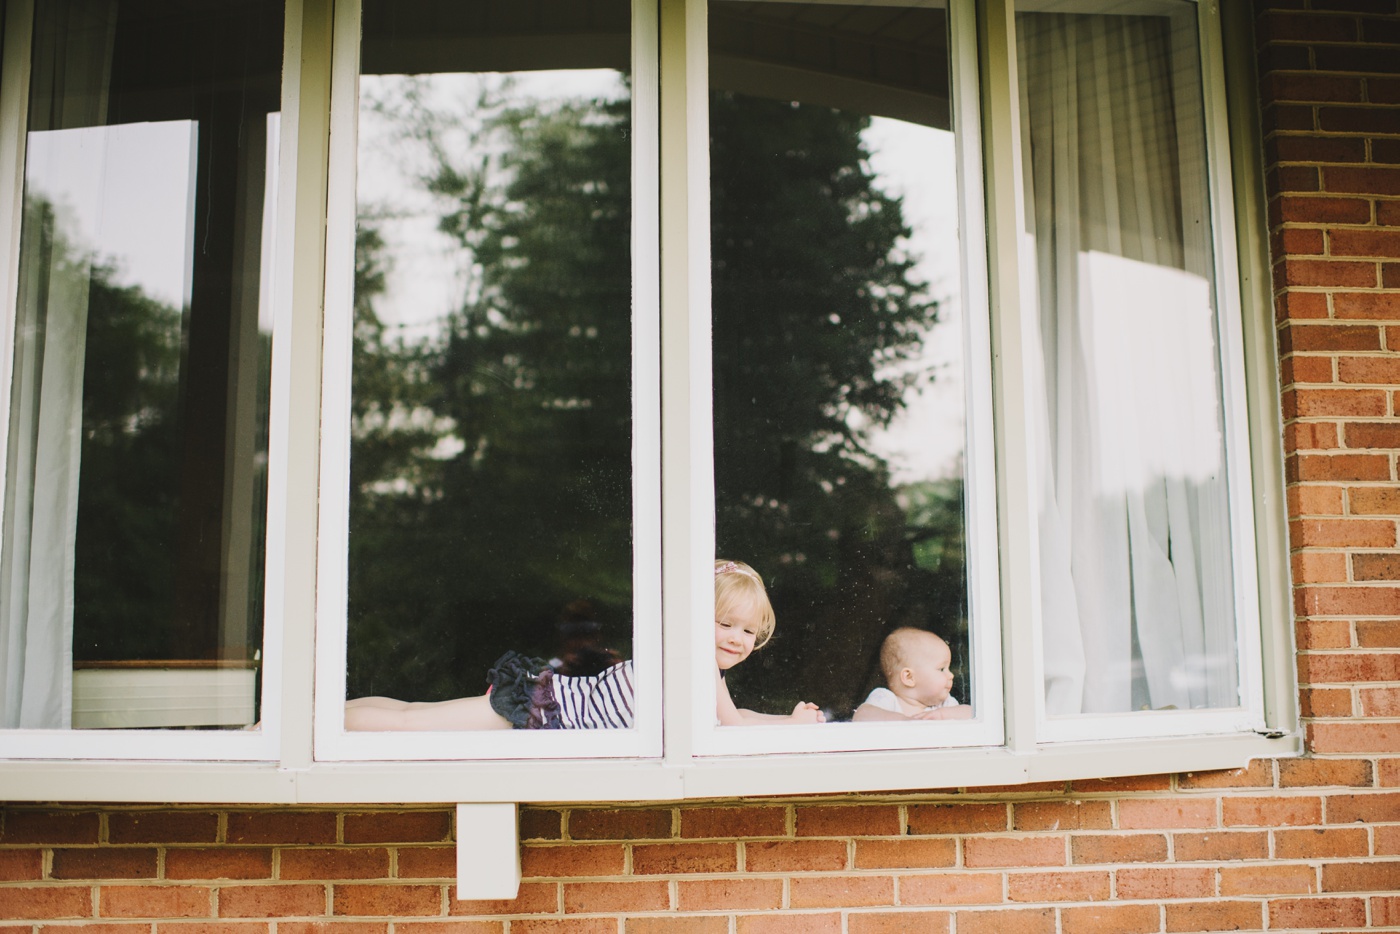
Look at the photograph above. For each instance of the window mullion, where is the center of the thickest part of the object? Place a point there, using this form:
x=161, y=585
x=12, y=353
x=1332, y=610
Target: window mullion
x=1016, y=530
x=296, y=387
x=14, y=117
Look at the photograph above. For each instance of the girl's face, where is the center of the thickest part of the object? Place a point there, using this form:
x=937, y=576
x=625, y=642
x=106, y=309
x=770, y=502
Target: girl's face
x=736, y=628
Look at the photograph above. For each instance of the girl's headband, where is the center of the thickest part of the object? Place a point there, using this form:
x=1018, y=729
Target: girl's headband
x=725, y=568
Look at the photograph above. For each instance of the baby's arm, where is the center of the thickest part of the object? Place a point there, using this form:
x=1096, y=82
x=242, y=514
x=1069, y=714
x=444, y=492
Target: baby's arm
x=385, y=714
x=954, y=712
x=869, y=713
x=729, y=715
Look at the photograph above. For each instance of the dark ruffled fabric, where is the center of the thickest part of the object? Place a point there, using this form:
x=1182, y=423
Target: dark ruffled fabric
x=522, y=691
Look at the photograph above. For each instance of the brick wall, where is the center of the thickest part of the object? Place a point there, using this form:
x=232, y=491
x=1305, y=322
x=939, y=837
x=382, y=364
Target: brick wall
x=1309, y=844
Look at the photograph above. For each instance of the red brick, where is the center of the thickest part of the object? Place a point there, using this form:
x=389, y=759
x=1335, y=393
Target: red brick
x=962, y=888
x=348, y=927
x=1325, y=210
x=620, y=824
x=1336, y=668
x=1214, y=916
x=155, y=901
x=1258, y=774
x=1361, y=877
x=1368, y=180
x=49, y=827
x=1337, y=467
x=986, y=852
x=106, y=862
x=1219, y=846
x=1305, y=368
x=163, y=827
x=1376, y=306
x=22, y=866
x=898, y=922
x=1172, y=882
x=1146, y=813
x=1347, y=601
x=1376, y=567
x=795, y=856
x=590, y=897
x=696, y=924
x=1354, y=242
x=575, y=860
x=1323, y=634
x=289, y=828
x=662, y=858
x=329, y=863
x=1388, y=212
x=841, y=891
x=1270, y=811
x=533, y=898
x=1317, y=912
x=271, y=901
x=808, y=923
x=1382, y=808
x=1328, y=273
x=1385, y=912
x=1311, y=87
x=729, y=894
x=1378, y=633
x=39, y=902
x=1330, y=338
x=1315, y=567
x=392, y=900
x=1354, y=737
x=1380, y=702
x=564, y=926
x=1307, y=27
x=1315, y=500
x=225, y=927
x=112, y=927
x=734, y=822
x=848, y=821
x=1324, y=702
x=1007, y=921
x=1314, y=149
x=1302, y=304
x=916, y=853
x=1320, y=842
x=541, y=824
x=1118, y=848
x=1062, y=815
x=1057, y=886
x=398, y=827
x=1387, y=841
x=1292, y=179
x=1282, y=879
x=1114, y=919
x=1308, y=773
x=1312, y=436
x=1372, y=435
x=957, y=818
x=1309, y=403
x=219, y=863
x=424, y=862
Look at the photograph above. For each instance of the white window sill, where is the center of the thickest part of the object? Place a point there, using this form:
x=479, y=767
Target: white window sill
x=627, y=780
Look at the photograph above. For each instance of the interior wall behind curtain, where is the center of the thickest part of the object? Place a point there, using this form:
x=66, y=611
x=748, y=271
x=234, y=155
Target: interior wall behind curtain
x=73, y=44
x=1134, y=537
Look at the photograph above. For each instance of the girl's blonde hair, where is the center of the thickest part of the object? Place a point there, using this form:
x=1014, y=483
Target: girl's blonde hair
x=738, y=584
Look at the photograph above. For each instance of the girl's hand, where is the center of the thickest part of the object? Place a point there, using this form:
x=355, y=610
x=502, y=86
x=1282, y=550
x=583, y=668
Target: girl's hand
x=808, y=713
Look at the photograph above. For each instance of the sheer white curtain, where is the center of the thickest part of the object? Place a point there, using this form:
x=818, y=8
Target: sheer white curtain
x=72, y=55
x=1134, y=535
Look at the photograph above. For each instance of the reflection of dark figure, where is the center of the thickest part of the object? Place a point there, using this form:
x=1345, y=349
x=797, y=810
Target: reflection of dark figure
x=580, y=655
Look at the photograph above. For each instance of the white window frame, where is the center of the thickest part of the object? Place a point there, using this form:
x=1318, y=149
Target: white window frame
x=231, y=745
x=333, y=741
x=289, y=767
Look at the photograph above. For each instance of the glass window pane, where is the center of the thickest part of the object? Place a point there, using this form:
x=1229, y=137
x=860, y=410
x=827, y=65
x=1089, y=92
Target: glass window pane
x=132, y=574
x=838, y=343
x=1134, y=522
x=491, y=472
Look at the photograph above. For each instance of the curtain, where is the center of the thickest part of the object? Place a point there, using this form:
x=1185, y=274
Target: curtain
x=72, y=62
x=1137, y=606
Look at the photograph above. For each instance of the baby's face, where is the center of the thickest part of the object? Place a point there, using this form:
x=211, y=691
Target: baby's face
x=930, y=662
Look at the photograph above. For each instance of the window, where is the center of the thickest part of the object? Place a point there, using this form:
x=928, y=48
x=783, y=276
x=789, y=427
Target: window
x=474, y=327
x=136, y=474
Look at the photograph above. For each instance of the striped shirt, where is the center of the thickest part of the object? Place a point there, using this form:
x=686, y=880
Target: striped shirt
x=599, y=702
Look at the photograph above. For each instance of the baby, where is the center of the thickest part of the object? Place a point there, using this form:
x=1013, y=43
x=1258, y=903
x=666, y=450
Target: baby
x=915, y=665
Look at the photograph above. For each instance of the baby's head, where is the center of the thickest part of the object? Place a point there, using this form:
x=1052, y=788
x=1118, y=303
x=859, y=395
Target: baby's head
x=739, y=593
x=915, y=663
